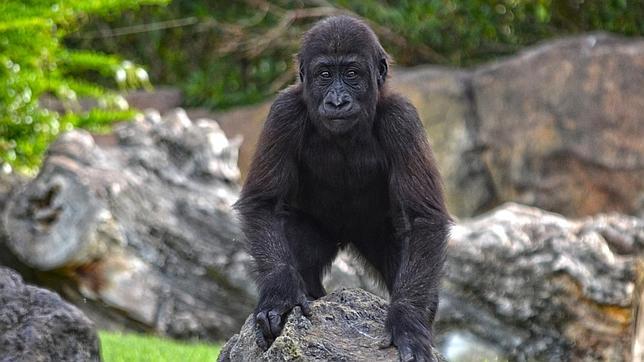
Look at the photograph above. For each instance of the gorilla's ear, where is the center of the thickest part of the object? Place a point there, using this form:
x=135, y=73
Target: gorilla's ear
x=301, y=69
x=382, y=71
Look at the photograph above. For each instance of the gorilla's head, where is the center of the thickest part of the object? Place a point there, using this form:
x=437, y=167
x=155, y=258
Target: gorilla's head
x=342, y=68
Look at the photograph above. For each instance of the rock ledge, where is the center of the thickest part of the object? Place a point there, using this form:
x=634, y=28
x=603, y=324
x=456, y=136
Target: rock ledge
x=345, y=325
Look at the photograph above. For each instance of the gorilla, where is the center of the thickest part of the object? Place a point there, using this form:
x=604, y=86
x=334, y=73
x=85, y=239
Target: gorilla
x=342, y=162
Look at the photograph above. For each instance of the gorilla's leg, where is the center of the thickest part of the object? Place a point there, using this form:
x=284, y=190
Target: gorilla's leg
x=313, y=251
x=403, y=262
x=379, y=248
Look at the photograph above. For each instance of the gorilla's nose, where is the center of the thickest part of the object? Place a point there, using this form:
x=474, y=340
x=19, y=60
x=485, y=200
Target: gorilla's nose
x=336, y=103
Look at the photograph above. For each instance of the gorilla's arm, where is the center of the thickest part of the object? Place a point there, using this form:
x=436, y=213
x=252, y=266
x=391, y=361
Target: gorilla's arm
x=422, y=223
x=272, y=176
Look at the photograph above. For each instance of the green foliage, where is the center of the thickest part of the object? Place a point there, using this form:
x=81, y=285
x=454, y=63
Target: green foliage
x=224, y=53
x=116, y=347
x=464, y=32
x=34, y=63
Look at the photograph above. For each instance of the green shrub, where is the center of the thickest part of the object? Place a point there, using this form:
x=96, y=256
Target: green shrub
x=34, y=62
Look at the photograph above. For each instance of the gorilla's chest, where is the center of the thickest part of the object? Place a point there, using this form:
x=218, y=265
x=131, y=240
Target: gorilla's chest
x=344, y=184
x=349, y=168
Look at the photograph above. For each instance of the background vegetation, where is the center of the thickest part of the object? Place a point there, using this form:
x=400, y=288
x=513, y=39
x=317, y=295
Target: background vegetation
x=227, y=53
x=35, y=66
x=224, y=53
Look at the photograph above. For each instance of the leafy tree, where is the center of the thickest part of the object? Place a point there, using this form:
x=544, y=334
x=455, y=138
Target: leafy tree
x=36, y=66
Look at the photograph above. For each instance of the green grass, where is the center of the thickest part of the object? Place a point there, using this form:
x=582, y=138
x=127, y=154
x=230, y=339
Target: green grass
x=117, y=347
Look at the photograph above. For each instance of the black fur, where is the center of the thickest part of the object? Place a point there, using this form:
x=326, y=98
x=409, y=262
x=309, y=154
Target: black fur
x=341, y=161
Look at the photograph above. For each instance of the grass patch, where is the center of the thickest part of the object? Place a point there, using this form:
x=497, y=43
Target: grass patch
x=117, y=347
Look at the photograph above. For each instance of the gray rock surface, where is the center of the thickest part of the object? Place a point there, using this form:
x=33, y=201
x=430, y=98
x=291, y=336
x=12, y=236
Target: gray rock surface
x=534, y=285
x=561, y=125
x=37, y=325
x=345, y=325
x=136, y=227
x=10, y=183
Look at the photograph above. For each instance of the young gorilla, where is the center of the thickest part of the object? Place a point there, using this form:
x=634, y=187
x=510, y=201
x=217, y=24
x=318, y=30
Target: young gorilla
x=343, y=161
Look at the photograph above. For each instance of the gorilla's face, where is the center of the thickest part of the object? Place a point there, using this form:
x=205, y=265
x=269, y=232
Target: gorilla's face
x=341, y=91
x=342, y=69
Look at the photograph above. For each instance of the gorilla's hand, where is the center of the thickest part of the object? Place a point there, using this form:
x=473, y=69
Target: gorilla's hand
x=273, y=308
x=409, y=333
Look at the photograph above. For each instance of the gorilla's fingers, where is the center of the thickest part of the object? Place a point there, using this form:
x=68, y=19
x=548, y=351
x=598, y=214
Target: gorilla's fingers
x=275, y=322
x=406, y=354
x=386, y=342
x=263, y=325
x=305, y=306
x=262, y=343
x=410, y=350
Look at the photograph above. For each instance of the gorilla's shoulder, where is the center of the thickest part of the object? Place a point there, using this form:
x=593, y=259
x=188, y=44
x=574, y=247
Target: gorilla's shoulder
x=391, y=99
x=288, y=112
x=289, y=101
x=394, y=106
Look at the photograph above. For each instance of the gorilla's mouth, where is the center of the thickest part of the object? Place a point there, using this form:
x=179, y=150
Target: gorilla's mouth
x=337, y=117
x=339, y=124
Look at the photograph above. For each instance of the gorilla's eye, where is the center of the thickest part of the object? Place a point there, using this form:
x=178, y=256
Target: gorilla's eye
x=325, y=74
x=352, y=74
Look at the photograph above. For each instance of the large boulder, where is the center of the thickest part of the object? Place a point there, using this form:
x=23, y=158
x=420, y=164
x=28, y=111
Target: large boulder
x=136, y=227
x=561, y=125
x=531, y=285
x=37, y=325
x=557, y=126
x=346, y=325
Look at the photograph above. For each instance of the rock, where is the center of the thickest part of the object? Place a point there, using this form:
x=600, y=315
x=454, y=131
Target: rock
x=345, y=325
x=37, y=325
x=638, y=312
x=137, y=231
x=557, y=126
x=534, y=285
x=245, y=121
x=460, y=346
x=561, y=125
x=9, y=184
